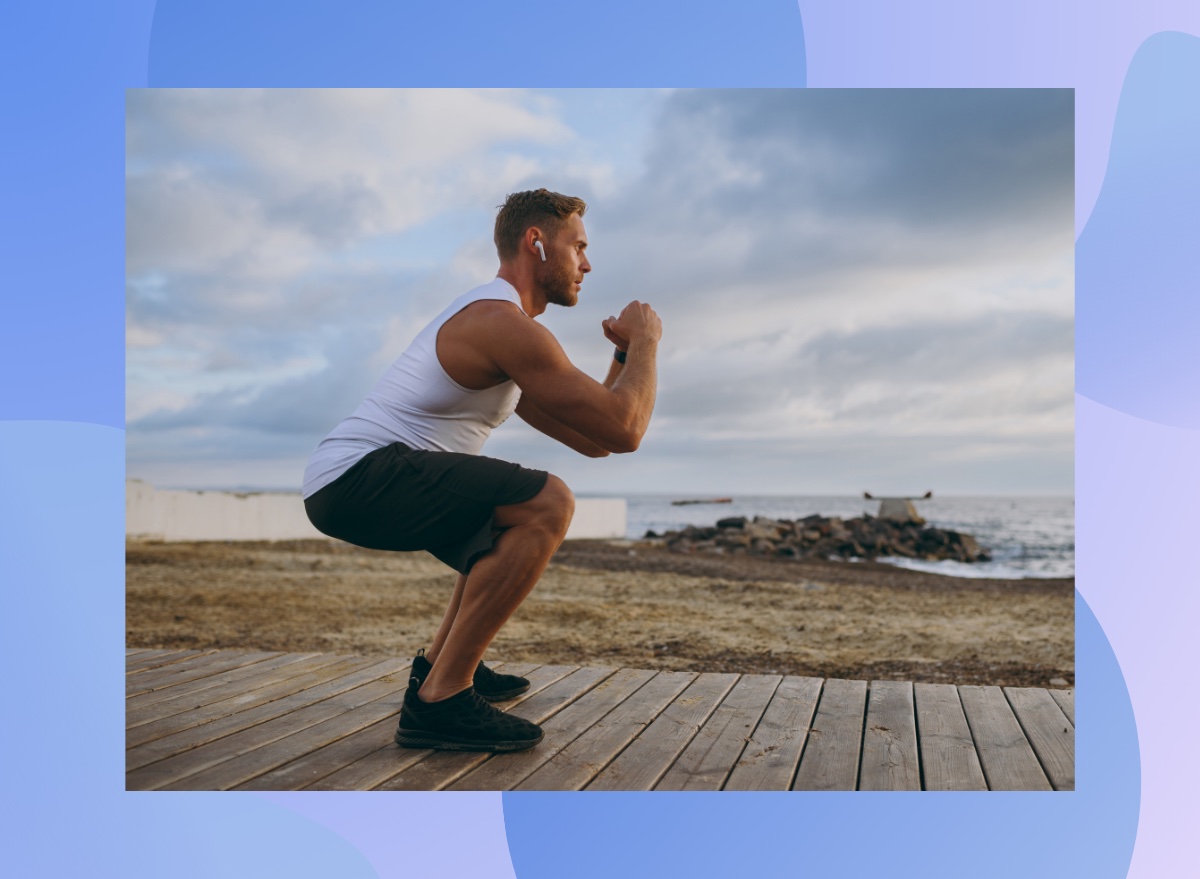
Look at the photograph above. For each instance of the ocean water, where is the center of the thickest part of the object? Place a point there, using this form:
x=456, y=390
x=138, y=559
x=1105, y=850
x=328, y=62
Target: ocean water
x=1027, y=536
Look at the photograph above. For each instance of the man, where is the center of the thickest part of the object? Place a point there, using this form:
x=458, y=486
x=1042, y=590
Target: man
x=404, y=471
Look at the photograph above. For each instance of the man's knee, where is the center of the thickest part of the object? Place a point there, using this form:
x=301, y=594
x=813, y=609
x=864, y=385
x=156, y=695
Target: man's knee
x=558, y=502
x=550, y=509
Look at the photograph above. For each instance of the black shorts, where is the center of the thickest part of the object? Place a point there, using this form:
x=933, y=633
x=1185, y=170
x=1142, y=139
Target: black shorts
x=406, y=499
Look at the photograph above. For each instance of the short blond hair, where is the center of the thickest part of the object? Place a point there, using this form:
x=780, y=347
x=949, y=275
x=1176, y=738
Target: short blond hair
x=536, y=207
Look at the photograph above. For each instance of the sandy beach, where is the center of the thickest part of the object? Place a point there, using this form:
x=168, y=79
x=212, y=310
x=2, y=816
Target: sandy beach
x=615, y=603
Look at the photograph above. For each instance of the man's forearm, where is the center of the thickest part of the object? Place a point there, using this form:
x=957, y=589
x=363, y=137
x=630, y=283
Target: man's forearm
x=614, y=369
x=636, y=382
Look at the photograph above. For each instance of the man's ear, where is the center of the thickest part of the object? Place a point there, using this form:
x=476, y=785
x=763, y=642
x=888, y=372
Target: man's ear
x=534, y=234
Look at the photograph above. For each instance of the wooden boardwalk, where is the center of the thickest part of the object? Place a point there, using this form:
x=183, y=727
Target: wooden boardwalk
x=232, y=719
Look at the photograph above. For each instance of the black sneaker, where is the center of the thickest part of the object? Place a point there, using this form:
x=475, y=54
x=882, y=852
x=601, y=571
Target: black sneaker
x=464, y=722
x=489, y=684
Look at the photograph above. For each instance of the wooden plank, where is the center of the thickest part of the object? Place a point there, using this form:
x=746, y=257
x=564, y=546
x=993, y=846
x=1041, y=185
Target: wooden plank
x=198, y=661
x=321, y=762
x=709, y=758
x=147, y=656
x=236, y=711
x=212, y=723
x=651, y=754
x=830, y=758
x=141, y=664
x=889, y=759
x=184, y=697
x=335, y=697
x=1007, y=759
x=1049, y=732
x=192, y=670
x=151, y=678
x=770, y=758
x=575, y=765
x=380, y=764
x=444, y=767
x=1066, y=701
x=135, y=651
x=374, y=702
x=504, y=771
x=948, y=758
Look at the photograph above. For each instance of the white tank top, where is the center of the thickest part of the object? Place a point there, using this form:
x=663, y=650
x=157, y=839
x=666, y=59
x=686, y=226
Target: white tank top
x=418, y=404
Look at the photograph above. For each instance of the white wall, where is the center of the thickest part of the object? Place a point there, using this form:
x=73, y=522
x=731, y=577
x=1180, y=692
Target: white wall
x=598, y=518
x=151, y=514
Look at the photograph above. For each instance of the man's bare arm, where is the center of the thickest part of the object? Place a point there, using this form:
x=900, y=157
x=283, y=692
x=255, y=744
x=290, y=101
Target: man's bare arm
x=614, y=418
x=536, y=418
x=573, y=439
x=622, y=344
x=614, y=370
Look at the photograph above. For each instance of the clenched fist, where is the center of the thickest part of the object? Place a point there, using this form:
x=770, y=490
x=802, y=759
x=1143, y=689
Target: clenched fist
x=636, y=321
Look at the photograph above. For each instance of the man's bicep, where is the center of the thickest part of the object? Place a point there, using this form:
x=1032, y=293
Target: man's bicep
x=536, y=362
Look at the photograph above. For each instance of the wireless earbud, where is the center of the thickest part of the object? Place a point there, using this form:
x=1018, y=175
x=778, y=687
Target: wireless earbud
x=541, y=249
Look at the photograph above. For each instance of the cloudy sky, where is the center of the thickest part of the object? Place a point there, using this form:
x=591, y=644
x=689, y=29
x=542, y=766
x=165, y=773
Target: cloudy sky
x=860, y=290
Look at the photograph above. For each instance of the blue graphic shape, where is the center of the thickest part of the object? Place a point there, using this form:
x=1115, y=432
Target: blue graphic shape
x=51, y=363
x=1136, y=518
x=413, y=834
x=620, y=43
x=1086, y=833
x=1138, y=258
x=62, y=231
x=62, y=547
x=206, y=835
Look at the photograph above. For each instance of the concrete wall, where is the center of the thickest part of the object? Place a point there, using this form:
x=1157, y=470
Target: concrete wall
x=151, y=514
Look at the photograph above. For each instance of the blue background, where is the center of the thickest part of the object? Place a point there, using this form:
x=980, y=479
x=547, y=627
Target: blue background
x=61, y=432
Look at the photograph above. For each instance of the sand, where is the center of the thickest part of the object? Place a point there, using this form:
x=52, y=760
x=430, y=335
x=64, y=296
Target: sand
x=615, y=603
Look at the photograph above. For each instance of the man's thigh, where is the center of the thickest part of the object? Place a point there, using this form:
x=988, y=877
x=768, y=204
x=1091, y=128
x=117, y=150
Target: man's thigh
x=405, y=499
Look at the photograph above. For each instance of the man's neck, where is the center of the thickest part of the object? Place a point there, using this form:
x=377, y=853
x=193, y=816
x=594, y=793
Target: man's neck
x=531, y=303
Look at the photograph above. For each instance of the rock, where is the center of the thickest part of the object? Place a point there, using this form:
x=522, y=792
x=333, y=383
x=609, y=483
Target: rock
x=850, y=549
x=762, y=531
x=1059, y=682
x=818, y=537
x=970, y=547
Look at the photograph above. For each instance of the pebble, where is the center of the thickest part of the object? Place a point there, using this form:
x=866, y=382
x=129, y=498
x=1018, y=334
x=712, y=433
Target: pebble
x=1059, y=682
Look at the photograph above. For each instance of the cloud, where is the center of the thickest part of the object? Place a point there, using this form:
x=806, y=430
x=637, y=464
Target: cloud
x=1003, y=373
x=745, y=187
x=841, y=274
x=258, y=188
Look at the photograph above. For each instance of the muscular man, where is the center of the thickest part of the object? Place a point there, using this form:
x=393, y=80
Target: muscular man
x=403, y=472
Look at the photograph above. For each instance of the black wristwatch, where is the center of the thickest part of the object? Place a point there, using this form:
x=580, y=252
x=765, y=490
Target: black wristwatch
x=619, y=356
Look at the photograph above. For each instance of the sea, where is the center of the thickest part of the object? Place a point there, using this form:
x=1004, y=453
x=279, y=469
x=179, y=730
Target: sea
x=1027, y=536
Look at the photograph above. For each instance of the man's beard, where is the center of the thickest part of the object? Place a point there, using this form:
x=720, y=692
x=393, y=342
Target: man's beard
x=558, y=285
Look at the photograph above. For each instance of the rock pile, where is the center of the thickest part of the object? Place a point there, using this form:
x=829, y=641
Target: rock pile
x=816, y=536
